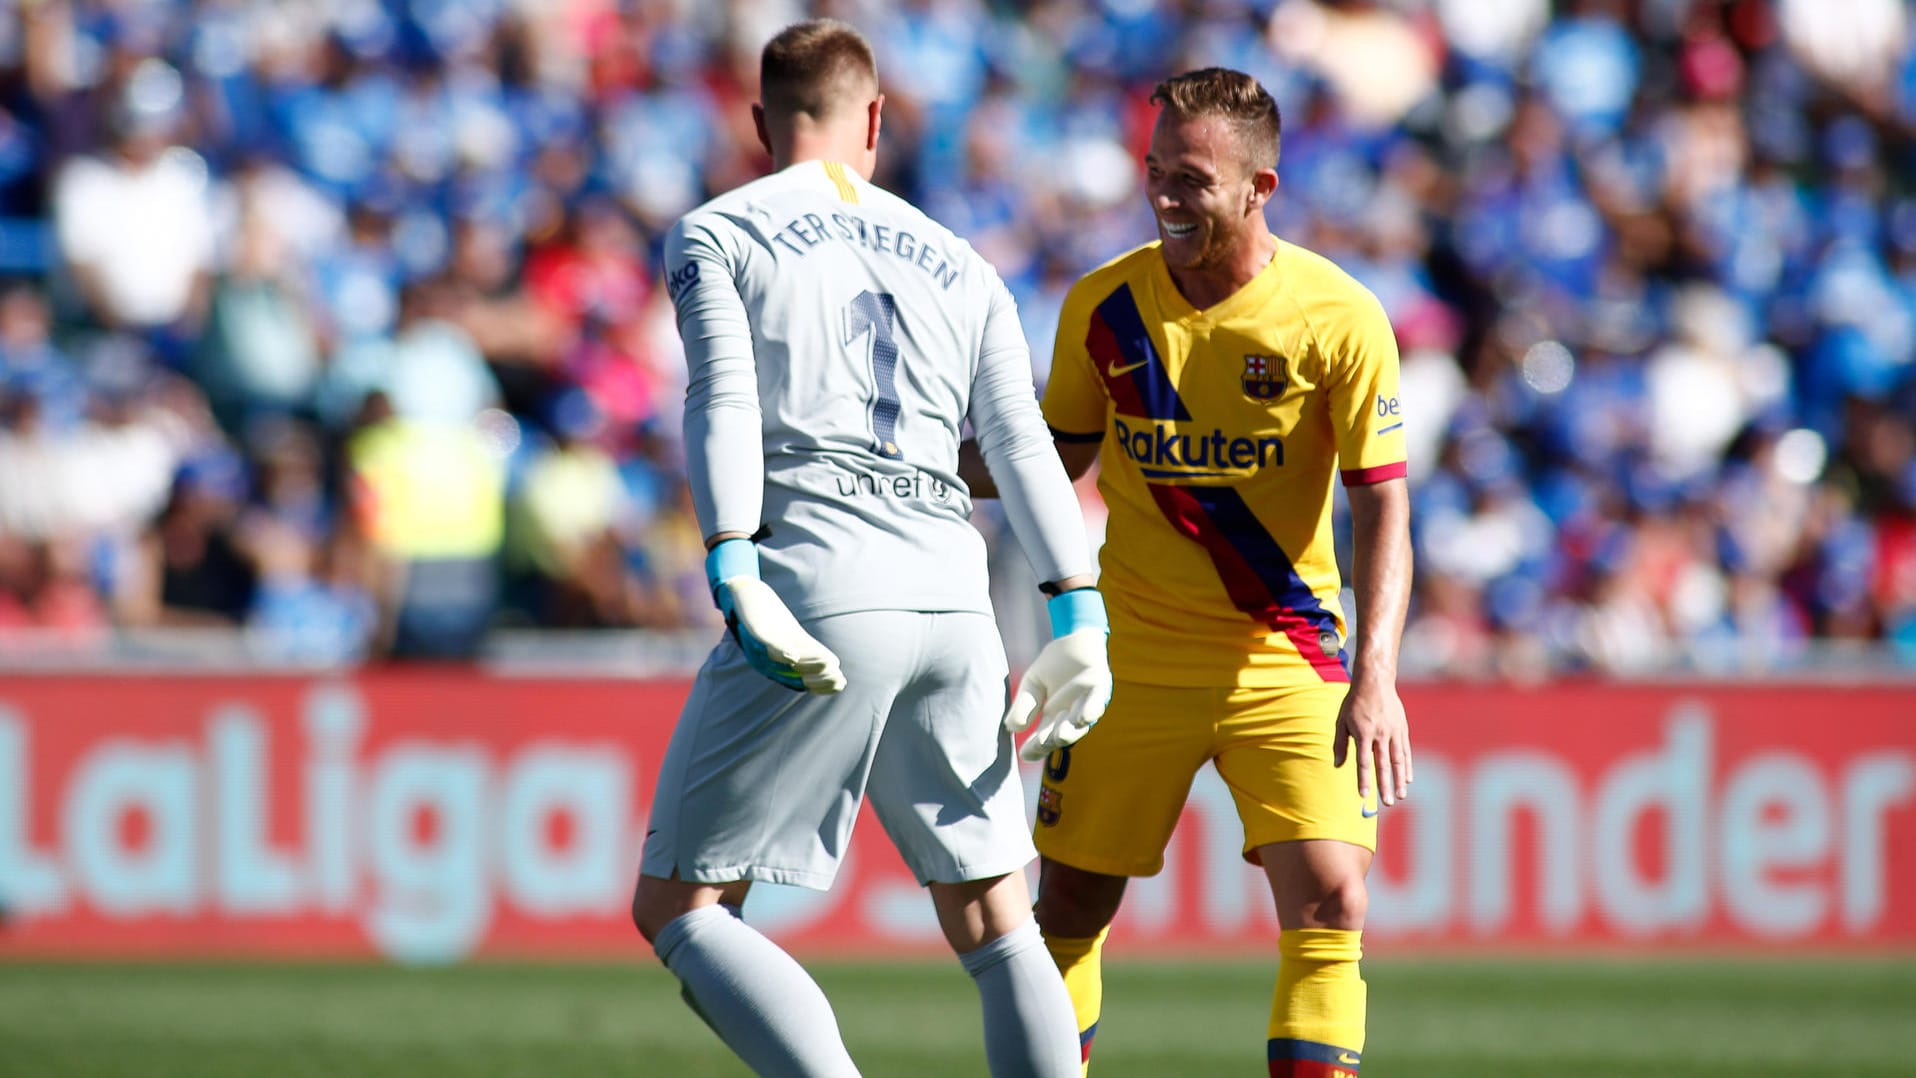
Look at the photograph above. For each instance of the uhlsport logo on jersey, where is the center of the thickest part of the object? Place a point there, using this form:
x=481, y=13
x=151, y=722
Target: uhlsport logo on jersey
x=1263, y=377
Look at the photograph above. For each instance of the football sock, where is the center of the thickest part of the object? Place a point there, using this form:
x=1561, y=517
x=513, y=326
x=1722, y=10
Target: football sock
x=757, y=998
x=1317, y=1012
x=1081, y=962
x=1027, y=1011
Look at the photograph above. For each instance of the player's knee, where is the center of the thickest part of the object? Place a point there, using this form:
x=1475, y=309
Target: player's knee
x=1073, y=903
x=642, y=918
x=652, y=910
x=1342, y=905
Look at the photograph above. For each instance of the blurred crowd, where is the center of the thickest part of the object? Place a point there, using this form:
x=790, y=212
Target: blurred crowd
x=337, y=321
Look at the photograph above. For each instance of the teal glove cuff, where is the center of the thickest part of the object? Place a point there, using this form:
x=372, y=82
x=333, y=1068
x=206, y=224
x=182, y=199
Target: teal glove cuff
x=731, y=558
x=1072, y=611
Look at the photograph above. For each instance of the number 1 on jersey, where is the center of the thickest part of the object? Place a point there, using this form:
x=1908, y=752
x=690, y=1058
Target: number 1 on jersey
x=876, y=312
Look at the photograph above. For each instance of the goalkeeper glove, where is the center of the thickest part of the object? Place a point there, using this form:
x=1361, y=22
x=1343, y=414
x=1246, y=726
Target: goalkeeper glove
x=774, y=643
x=1066, y=688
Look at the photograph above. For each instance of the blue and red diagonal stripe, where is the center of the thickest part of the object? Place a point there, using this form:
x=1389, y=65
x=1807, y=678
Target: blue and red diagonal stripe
x=1117, y=340
x=1257, y=574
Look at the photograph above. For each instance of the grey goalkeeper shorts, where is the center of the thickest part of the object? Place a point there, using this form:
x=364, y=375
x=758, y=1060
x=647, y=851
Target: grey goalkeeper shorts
x=763, y=783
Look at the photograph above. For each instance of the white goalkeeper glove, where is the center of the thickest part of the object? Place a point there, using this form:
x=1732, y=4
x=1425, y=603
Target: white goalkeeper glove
x=1065, y=690
x=773, y=641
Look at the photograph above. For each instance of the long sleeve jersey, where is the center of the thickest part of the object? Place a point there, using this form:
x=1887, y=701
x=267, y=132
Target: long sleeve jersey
x=838, y=342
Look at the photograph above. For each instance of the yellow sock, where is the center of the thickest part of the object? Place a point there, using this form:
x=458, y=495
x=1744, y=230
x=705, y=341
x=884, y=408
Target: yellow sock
x=1317, y=1012
x=1080, y=960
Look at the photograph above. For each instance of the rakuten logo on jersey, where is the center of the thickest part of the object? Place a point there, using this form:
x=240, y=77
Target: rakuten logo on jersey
x=1162, y=451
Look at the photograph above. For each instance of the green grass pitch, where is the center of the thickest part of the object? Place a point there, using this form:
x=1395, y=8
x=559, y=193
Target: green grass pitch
x=1429, y=1018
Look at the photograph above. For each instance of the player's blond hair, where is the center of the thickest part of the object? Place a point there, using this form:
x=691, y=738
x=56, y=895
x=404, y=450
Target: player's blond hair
x=1238, y=98
x=815, y=68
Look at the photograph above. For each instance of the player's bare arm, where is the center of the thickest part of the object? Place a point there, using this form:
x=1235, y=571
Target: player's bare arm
x=1372, y=716
x=1076, y=456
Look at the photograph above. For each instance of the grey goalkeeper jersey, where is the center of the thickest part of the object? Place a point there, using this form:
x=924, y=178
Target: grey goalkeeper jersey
x=838, y=339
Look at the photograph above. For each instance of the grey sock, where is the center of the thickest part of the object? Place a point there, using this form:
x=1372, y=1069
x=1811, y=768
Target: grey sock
x=757, y=998
x=1030, y=1028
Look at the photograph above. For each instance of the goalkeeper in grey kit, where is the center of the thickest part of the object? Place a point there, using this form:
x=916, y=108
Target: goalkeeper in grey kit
x=838, y=340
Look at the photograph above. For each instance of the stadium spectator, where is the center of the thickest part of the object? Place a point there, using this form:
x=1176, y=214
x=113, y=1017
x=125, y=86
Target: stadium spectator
x=571, y=505
x=428, y=492
x=195, y=567
x=135, y=226
x=312, y=604
x=44, y=587
x=261, y=352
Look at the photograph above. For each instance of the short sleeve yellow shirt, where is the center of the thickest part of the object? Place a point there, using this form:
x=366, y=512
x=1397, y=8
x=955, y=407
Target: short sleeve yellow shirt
x=1222, y=430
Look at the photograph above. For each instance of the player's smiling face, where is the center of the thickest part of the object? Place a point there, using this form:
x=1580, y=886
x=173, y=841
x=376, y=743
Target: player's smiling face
x=1200, y=188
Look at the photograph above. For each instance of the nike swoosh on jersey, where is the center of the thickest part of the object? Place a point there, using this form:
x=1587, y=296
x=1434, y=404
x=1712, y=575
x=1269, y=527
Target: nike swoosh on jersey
x=1347, y=1059
x=1117, y=338
x=1369, y=812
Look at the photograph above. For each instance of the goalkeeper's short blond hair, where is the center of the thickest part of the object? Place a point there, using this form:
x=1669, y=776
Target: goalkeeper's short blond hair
x=816, y=68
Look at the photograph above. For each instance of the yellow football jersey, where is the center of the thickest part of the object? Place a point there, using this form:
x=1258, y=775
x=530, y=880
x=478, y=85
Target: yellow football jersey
x=1222, y=430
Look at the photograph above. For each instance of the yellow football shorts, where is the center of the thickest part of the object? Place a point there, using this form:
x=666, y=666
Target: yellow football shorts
x=1109, y=803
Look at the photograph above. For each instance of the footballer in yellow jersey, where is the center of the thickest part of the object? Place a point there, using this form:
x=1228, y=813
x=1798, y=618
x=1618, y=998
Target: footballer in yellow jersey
x=1224, y=380
x=1222, y=431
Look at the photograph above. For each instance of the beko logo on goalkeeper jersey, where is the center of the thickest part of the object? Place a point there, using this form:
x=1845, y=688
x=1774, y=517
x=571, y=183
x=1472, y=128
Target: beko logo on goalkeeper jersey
x=681, y=279
x=1161, y=448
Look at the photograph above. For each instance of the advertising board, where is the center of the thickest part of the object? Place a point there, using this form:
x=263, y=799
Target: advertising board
x=432, y=816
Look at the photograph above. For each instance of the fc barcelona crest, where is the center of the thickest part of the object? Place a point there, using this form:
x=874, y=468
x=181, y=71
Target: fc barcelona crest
x=1050, y=805
x=1263, y=377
